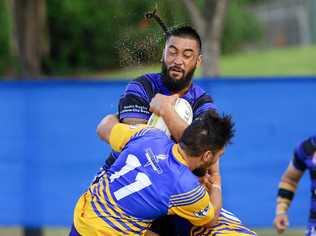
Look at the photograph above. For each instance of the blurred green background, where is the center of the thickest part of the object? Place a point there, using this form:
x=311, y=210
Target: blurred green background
x=111, y=40
x=108, y=38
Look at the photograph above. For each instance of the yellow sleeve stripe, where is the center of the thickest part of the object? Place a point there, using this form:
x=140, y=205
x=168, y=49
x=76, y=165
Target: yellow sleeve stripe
x=198, y=213
x=191, y=197
x=121, y=134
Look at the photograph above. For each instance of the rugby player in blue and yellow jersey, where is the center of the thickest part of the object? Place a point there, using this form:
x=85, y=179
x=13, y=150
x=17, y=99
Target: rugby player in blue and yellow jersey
x=152, y=177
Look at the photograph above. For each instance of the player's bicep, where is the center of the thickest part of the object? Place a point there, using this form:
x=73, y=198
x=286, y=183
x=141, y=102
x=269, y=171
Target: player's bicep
x=292, y=173
x=135, y=102
x=199, y=213
x=121, y=134
x=132, y=106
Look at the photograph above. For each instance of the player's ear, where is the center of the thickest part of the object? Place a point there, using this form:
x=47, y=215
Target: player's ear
x=163, y=53
x=207, y=156
x=199, y=60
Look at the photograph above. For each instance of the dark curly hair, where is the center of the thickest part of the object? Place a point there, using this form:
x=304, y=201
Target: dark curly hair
x=209, y=132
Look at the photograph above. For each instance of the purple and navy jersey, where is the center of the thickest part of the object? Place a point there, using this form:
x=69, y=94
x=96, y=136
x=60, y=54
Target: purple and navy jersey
x=135, y=101
x=305, y=159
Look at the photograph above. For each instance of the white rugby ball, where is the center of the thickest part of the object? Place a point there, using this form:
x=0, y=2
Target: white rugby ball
x=184, y=110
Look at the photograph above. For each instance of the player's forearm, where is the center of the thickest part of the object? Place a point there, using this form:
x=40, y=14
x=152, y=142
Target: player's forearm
x=215, y=179
x=287, y=189
x=174, y=123
x=105, y=126
x=214, y=172
x=164, y=106
x=216, y=198
x=215, y=193
x=285, y=196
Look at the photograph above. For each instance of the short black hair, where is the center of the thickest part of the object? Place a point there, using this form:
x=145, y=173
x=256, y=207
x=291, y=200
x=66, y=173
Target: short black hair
x=211, y=132
x=185, y=32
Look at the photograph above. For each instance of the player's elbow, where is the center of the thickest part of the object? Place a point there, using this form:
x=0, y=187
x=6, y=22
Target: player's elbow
x=105, y=126
x=101, y=131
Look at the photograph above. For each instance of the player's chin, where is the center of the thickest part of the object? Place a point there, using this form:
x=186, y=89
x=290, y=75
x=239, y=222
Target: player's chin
x=176, y=75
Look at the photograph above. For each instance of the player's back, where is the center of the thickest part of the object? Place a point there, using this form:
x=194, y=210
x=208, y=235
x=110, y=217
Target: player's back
x=146, y=180
x=147, y=174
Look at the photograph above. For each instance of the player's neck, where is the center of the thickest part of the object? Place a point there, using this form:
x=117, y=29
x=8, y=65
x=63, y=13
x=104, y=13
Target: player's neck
x=192, y=162
x=184, y=90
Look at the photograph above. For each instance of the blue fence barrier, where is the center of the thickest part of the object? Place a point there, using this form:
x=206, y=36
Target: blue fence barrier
x=49, y=151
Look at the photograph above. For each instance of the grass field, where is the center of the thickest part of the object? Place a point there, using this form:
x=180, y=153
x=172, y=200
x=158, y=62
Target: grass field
x=274, y=62
x=64, y=232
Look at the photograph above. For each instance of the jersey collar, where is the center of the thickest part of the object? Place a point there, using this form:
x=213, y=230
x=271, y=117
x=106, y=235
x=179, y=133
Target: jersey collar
x=177, y=155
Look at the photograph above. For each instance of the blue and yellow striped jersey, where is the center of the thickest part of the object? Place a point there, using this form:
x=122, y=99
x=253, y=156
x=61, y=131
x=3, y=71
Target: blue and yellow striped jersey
x=149, y=179
x=227, y=225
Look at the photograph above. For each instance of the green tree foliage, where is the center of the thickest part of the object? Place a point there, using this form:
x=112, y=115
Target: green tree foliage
x=97, y=35
x=94, y=35
x=4, y=38
x=240, y=27
x=84, y=35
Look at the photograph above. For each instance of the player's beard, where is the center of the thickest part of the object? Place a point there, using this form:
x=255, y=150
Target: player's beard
x=200, y=171
x=175, y=85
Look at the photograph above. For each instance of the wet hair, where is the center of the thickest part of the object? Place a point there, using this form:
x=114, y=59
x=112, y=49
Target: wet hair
x=185, y=32
x=178, y=31
x=209, y=132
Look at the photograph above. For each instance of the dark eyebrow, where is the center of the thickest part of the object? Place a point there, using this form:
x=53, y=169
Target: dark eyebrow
x=172, y=46
x=185, y=50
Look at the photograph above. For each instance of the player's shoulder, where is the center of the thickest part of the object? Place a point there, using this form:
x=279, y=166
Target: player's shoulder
x=187, y=192
x=197, y=89
x=147, y=82
x=148, y=79
x=199, y=100
x=306, y=148
x=188, y=183
x=199, y=93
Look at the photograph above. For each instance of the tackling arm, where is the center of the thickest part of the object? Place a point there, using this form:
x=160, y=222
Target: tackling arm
x=115, y=133
x=215, y=193
x=105, y=126
x=213, y=178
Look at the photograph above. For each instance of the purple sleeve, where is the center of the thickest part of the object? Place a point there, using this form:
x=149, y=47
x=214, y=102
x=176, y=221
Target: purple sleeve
x=134, y=103
x=303, y=153
x=203, y=104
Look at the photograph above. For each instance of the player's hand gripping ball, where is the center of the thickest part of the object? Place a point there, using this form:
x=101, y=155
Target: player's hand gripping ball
x=183, y=109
